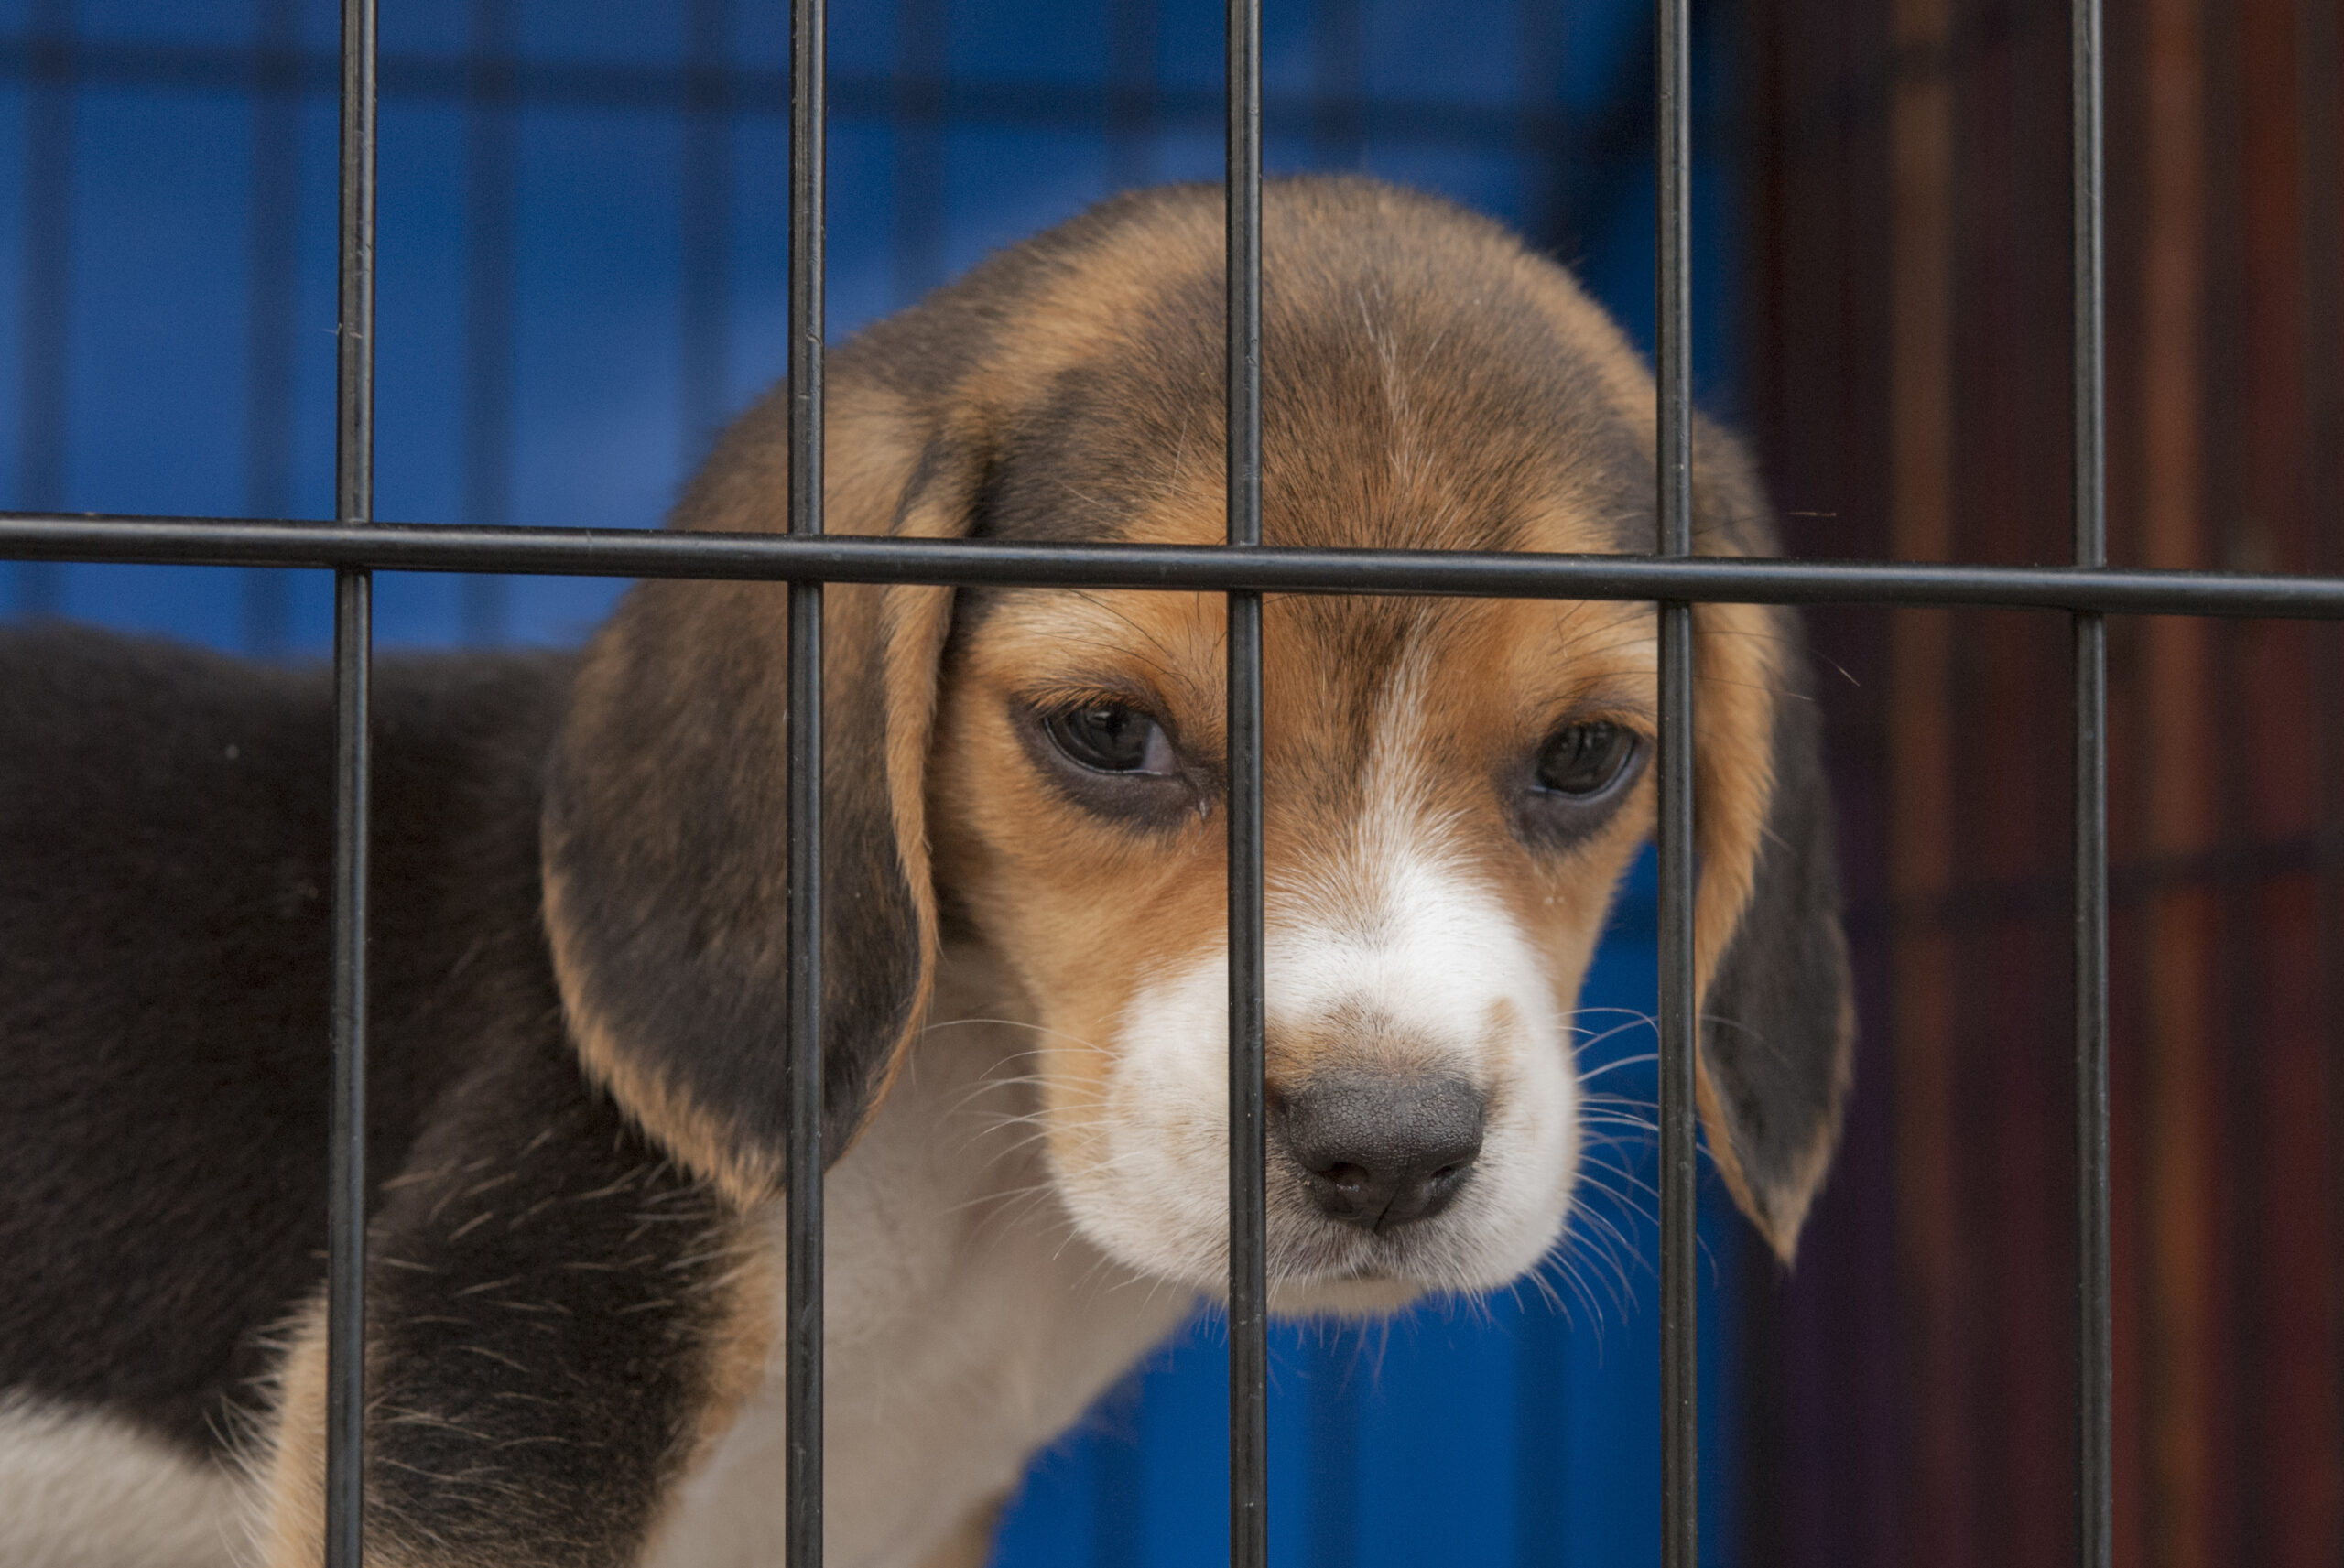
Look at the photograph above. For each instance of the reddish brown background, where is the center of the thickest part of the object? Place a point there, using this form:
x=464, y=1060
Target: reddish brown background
x=1907, y=372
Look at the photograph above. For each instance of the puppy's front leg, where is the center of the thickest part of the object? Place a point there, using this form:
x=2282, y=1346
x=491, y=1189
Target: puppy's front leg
x=558, y=1322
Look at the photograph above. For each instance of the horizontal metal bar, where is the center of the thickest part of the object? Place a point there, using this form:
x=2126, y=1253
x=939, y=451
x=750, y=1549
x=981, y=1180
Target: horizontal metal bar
x=1205, y=568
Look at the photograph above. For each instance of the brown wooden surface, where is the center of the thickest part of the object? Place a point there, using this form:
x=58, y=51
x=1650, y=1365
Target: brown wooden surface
x=1906, y=176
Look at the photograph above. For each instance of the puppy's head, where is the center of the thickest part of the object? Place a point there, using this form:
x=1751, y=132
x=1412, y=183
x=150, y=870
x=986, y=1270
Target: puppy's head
x=1454, y=787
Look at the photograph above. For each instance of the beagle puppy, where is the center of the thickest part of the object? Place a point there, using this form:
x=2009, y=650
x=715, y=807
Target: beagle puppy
x=575, y=1125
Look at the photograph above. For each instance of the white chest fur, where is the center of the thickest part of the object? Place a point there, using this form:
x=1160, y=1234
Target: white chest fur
x=967, y=1323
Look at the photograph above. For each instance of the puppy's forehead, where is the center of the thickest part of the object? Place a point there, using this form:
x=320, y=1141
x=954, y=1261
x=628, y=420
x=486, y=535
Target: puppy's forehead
x=1425, y=383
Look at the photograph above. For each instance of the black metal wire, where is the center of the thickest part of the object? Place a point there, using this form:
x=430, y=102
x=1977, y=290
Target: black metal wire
x=1248, y=1356
x=353, y=661
x=354, y=546
x=346, y=1186
x=1680, y=1341
x=1202, y=568
x=623, y=552
x=1678, y=1016
x=803, y=1300
x=2095, y=1366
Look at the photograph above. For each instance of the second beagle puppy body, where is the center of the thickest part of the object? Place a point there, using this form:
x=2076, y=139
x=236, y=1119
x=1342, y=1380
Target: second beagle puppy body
x=575, y=1267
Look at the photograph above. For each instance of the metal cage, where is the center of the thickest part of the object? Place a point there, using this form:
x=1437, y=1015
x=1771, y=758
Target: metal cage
x=353, y=546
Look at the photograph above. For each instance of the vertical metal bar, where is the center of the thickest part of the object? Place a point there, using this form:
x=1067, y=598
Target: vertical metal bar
x=803, y=1307
x=1680, y=1441
x=1248, y=1224
x=2094, y=1361
x=353, y=663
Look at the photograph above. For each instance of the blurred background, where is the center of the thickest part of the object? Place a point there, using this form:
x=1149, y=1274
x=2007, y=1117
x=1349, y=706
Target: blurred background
x=582, y=275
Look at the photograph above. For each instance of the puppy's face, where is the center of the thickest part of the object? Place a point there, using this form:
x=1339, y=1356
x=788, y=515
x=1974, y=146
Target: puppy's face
x=1453, y=787
x=1453, y=790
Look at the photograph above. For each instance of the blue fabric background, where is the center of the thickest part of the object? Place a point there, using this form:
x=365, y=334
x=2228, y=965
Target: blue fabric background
x=560, y=330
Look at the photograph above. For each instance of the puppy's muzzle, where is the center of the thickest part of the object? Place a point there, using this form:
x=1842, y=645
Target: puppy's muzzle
x=1380, y=1150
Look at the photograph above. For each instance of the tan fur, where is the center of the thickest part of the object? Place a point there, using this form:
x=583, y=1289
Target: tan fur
x=1737, y=678
x=1009, y=846
x=1028, y=1189
x=1400, y=736
x=971, y=1546
x=1334, y=464
x=741, y=1363
x=1733, y=777
x=292, y=1530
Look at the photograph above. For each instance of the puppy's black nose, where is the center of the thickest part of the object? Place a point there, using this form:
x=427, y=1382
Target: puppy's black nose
x=1382, y=1150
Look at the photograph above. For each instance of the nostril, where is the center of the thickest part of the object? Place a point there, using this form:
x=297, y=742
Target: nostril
x=1382, y=1150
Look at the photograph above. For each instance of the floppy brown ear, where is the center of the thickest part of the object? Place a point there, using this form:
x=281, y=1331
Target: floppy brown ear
x=664, y=831
x=1777, y=1007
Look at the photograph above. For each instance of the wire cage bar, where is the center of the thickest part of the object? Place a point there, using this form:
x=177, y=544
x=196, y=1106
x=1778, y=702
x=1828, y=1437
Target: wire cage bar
x=353, y=546
x=802, y=1289
x=1676, y=1007
x=1249, y=1291
x=353, y=652
x=1205, y=568
x=2095, y=1363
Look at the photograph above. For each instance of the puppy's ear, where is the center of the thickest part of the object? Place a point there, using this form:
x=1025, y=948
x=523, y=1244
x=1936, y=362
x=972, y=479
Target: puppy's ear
x=1777, y=1010
x=666, y=832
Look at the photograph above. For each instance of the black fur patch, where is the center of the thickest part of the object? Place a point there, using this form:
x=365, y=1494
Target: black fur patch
x=166, y=875
x=550, y=1295
x=665, y=820
x=546, y=1294
x=1777, y=1021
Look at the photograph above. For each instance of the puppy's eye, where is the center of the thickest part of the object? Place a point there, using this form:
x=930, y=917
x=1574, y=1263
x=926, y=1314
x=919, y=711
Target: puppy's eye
x=1586, y=759
x=1109, y=738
